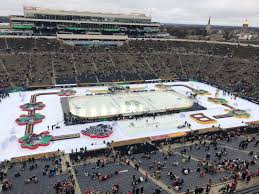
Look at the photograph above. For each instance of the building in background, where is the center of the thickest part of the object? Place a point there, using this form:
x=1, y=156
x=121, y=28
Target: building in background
x=246, y=33
x=245, y=25
x=47, y=21
x=208, y=27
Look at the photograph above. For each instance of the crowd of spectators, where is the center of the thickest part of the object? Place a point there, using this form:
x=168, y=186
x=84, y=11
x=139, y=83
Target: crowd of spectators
x=17, y=176
x=45, y=62
x=5, y=183
x=206, y=157
x=67, y=186
x=212, y=160
x=3, y=94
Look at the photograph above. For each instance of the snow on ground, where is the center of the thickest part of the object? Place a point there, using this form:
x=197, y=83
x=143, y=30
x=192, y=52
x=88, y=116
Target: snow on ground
x=123, y=130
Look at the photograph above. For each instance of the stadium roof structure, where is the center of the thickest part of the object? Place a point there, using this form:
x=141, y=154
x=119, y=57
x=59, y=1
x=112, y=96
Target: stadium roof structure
x=28, y=11
x=52, y=22
x=18, y=18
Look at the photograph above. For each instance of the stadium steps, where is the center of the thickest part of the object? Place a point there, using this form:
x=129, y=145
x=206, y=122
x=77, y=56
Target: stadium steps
x=199, y=65
x=74, y=65
x=65, y=158
x=53, y=71
x=6, y=44
x=130, y=63
x=154, y=180
x=115, y=66
x=95, y=70
x=149, y=66
x=251, y=190
x=7, y=73
x=181, y=65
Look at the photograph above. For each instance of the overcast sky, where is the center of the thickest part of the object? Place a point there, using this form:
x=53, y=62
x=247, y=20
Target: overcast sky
x=223, y=12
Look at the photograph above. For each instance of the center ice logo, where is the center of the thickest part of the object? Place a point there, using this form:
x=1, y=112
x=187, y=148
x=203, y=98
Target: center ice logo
x=132, y=102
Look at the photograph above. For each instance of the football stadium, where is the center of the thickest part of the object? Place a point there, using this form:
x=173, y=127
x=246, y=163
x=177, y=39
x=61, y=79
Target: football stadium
x=89, y=104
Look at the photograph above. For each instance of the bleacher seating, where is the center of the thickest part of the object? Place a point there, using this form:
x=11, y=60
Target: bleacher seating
x=36, y=62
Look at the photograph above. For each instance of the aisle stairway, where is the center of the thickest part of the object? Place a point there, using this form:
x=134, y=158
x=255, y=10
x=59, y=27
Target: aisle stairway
x=65, y=158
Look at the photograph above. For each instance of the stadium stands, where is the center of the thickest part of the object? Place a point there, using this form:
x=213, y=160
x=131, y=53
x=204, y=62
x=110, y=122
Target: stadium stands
x=37, y=62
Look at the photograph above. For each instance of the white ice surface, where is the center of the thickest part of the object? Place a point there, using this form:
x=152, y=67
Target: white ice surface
x=127, y=103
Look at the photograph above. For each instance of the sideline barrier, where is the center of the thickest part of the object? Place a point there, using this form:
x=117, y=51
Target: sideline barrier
x=208, y=130
x=112, y=83
x=168, y=136
x=130, y=142
x=253, y=123
x=35, y=156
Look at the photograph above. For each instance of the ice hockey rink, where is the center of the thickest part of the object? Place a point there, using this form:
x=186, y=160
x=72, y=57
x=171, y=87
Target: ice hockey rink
x=128, y=103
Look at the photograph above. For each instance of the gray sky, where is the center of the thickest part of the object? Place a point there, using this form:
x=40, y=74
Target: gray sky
x=223, y=12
